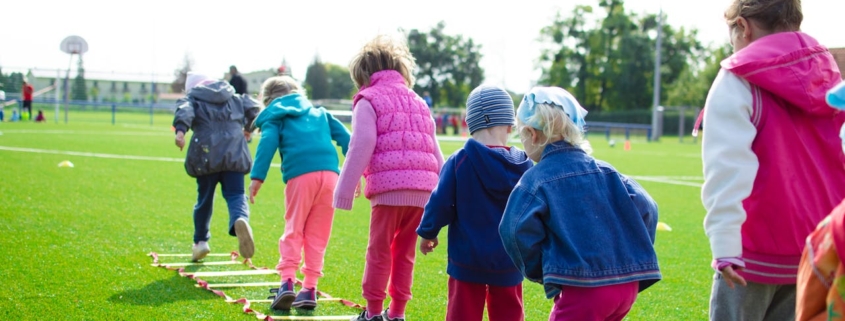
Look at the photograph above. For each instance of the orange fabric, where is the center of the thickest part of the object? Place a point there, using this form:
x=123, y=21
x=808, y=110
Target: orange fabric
x=821, y=274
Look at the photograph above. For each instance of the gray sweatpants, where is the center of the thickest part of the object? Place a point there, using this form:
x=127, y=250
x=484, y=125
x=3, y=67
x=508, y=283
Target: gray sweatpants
x=755, y=302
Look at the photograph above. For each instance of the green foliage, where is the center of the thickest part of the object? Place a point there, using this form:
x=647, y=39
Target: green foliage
x=79, y=90
x=317, y=80
x=607, y=61
x=12, y=83
x=692, y=85
x=341, y=85
x=447, y=66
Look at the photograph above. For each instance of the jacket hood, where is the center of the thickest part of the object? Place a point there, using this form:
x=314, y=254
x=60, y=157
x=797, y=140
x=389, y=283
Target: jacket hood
x=498, y=174
x=288, y=105
x=216, y=92
x=792, y=66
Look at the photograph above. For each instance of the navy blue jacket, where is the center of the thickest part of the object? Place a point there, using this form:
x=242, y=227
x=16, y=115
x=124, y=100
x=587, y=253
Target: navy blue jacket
x=575, y=221
x=471, y=196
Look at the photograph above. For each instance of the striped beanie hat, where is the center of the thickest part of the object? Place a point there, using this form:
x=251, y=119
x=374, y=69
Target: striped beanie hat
x=489, y=106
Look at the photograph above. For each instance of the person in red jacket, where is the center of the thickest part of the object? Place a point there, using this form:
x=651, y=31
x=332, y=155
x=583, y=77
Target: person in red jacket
x=26, y=90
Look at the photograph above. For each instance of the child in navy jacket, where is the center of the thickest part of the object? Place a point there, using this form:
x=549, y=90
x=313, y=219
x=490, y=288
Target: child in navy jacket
x=471, y=196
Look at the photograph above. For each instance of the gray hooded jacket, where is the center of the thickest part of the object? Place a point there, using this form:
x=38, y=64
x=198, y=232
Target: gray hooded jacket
x=218, y=118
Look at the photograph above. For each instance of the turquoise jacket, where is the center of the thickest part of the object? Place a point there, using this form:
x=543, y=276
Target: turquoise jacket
x=303, y=136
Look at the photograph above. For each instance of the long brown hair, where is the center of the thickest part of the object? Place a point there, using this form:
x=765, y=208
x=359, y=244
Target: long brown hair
x=770, y=15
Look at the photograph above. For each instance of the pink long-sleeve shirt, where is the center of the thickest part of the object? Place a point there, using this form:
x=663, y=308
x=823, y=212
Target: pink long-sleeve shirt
x=361, y=148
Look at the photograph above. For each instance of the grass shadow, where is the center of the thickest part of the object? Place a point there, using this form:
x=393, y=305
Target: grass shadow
x=173, y=289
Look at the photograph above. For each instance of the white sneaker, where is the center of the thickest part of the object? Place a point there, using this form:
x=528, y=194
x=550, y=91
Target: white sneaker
x=246, y=246
x=200, y=251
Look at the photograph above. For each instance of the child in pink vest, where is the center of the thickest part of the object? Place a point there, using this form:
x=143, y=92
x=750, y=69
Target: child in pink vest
x=394, y=147
x=772, y=166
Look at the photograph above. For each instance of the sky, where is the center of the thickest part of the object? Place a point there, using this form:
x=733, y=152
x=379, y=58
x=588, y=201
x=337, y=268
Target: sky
x=153, y=37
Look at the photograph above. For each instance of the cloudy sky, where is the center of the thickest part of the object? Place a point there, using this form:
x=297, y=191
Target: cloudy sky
x=152, y=37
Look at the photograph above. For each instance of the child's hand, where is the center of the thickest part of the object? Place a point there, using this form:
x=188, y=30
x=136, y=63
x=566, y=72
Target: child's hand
x=427, y=246
x=180, y=140
x=254, y=186
x=358, y=190
x=731, y=277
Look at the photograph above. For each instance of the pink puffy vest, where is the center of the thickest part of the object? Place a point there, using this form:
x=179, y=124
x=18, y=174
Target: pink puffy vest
x=404, y=155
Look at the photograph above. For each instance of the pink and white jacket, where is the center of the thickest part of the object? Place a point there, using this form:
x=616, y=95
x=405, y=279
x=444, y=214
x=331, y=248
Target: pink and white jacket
x=773, y=165
x=392, y=145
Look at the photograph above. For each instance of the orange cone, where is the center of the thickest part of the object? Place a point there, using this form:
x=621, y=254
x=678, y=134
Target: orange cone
x=627, y=145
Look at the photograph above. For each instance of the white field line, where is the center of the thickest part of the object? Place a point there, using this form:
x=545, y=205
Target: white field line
x=673, y=180
x=665, y=181
x=97, y=155
x=84, y=132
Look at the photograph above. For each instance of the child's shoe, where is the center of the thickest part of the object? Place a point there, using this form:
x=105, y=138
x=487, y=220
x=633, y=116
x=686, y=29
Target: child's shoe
x=284, y=297
x=306, y=299
x=386, y=317
x=363, y=317
x=200, y=251
x=245, y=244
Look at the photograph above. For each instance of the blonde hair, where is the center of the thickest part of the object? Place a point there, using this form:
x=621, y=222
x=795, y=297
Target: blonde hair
x=556, y=125
x=382, y=53
x=278, y=86
x=771, y=15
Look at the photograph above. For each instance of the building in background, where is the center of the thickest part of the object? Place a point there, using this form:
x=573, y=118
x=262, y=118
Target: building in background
x=105, y=86
x=255, y=79
x=839, y=55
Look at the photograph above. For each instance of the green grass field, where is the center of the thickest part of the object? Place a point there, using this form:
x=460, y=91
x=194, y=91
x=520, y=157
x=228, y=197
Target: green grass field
x=76, y=239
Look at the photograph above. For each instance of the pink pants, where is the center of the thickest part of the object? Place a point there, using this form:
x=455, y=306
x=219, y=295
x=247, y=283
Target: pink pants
x=610, y=302
x=390, y=256
x=466, y=302
x=308, y=225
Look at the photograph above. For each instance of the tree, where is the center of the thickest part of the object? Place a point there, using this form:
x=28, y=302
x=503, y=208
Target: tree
x=11, y=83
x=607, y=61
x=341, y=85
x=448, y=66
x=317, y=80
x=178, y=84
x=693, y=84
x=79, y=90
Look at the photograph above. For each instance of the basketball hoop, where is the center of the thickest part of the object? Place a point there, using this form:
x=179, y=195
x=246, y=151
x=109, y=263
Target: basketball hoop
x=74, y=45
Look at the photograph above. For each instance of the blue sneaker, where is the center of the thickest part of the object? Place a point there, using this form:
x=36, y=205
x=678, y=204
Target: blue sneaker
x=284, y=297
x=363, y=317
x=385, y=316
x=305, y=299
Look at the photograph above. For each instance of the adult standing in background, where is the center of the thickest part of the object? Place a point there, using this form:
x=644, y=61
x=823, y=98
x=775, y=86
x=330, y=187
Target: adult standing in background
x=26, y=91
x=236, y=80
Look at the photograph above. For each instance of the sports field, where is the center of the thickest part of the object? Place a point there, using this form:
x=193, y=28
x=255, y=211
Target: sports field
x=75, y=240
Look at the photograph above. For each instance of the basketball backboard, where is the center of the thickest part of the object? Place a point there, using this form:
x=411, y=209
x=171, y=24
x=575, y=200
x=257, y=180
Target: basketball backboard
x=74, y=45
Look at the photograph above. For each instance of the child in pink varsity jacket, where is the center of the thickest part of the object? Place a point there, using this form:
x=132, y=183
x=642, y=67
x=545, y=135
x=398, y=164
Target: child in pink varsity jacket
x=772, y=166
x=394, y=148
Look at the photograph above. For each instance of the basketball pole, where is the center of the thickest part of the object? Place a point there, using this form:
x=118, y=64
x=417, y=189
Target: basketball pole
x=57, y=94
x=656, y=131
x=67, y=85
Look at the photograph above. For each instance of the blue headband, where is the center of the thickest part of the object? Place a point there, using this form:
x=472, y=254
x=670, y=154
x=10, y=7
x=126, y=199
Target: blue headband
x=836, y=96
x=555, y=96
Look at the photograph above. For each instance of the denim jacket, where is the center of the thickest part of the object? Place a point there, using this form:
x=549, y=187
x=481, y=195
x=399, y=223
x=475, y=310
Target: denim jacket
x=575, y=221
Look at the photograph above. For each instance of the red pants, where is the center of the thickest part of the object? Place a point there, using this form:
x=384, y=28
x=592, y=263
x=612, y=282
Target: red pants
x=390, y=256
x=466, y=302
x=308, y=225
x=610, y=303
